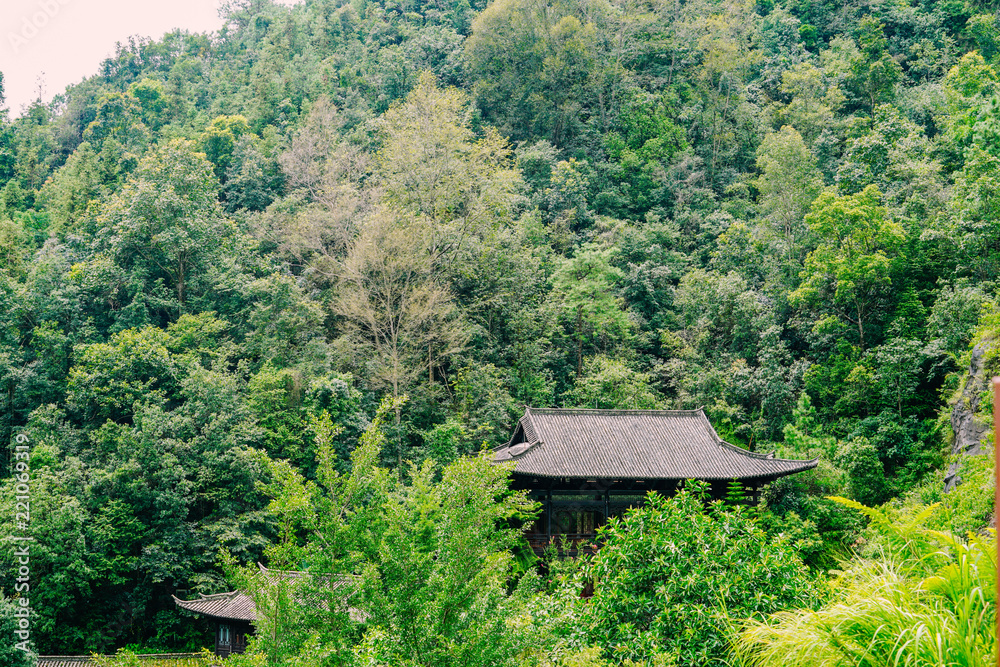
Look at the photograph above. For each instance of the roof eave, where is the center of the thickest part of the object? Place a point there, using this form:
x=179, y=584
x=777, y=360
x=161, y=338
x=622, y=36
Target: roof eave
x=184, y=604
x=805, y=465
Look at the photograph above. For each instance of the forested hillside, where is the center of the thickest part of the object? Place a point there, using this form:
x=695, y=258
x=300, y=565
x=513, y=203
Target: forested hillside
x=224, y=251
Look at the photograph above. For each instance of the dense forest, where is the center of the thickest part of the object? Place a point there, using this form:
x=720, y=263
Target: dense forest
x=269, y=292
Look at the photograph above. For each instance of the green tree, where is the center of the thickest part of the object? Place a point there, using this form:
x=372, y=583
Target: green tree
x=431, y=163
x=865, y=473
x=975, y=210
x=69, y=193
x=165, y=226
x=533, y=64
x=970, y=86
x=108, y=379
x=874, y=73
x=583, y=291
x=849, y=272
x=789, y=183
x=670, y=573
x=430, y=558
x=895, y=155
x=119, y=120
x=610, y=384
x=219, y=142
x=814, y=100
x=11, y=654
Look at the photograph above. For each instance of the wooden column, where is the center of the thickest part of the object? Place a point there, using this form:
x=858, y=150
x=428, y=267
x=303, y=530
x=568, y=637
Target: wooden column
x=548, y=516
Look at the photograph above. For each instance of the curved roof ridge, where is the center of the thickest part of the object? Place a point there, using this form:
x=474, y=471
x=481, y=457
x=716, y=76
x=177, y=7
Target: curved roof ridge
x=612, y=411
x=746, y=452
x=765, y=457
x=234, y=605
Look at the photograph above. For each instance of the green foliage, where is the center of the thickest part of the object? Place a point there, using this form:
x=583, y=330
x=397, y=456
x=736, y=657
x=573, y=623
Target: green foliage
x=670, y=573
x=220, y=139
x=956, y=313
x=849, y=270
x=222, y=249
x=109, y=378
x=873, y=73
x=583, y=288
x=789, y=184
x=163, y=232
x=10, y=653
x=610, y=384
x=926, y=597
x=975, y=207
x=860, y=460
x=431, y=555
x=966, y=508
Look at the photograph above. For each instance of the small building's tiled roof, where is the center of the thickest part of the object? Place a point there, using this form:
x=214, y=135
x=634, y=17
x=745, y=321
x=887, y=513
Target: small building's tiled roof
x=238, y=606
x=65, y=661
x=234, y=606
x=633, y=444
x=147, y=658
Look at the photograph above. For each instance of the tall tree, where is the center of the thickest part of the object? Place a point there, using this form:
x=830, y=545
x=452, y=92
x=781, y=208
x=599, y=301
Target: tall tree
x=873, y=73
x=788, y=185
x=398, y=316
x=584, y=293
x=163, y=228
x=432, y=164
x=849, y=272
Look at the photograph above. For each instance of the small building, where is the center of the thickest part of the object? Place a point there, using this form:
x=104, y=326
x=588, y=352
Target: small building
x=584, y=465
x=234, y=614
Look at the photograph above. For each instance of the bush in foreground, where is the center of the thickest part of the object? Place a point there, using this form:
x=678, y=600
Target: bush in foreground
x=923, y=598
x=671, y=574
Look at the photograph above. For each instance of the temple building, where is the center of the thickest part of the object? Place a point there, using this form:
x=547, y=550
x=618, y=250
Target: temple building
x=584, y=466
x=235, y=613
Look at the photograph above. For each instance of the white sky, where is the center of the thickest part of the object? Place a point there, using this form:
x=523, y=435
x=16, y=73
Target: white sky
x=64, y=41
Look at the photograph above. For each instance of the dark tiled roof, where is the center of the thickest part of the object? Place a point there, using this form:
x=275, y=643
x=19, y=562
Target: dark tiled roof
x=633, y=444
x=87, y=661
x=238, y=606
x=234, y=606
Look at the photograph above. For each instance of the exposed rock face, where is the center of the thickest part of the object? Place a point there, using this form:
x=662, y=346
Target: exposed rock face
x=969, y=427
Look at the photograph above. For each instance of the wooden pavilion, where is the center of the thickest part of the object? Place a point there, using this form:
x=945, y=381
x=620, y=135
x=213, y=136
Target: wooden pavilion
x=235, y=613
x=584, y=466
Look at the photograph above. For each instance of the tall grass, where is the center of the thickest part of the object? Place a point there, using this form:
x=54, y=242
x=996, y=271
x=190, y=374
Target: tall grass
x=923, y=598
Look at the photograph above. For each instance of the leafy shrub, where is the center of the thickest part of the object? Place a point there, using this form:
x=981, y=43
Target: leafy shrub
x=671, y=573
x=922, y=597
x=9, y=653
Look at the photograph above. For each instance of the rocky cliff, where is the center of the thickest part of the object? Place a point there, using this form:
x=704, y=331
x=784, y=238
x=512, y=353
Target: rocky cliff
x=969, y=417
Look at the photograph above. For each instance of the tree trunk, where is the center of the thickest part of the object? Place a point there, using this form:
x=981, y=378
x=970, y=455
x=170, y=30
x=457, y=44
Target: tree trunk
x=180, y=289
x=399, y=417
x=861, y=328
x=579, y=341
